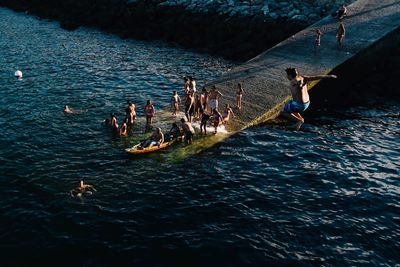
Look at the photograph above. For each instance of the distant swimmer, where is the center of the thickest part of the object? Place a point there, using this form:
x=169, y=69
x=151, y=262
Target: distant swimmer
x=299, y=90
x=18, y=74
x=67, y=109
x=82, y=189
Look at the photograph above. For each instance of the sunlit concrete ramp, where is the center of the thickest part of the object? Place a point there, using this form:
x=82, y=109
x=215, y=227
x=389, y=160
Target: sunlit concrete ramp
x=265, y=85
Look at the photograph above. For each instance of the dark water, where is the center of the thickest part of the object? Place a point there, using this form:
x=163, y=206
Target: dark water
x=325, y=195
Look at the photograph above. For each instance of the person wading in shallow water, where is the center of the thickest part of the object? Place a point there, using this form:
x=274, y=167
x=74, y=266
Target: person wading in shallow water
x=81, y=189
x=299, y=90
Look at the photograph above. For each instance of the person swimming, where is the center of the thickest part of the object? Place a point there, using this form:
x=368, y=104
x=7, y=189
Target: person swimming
x=81, y=189
x=67, y=109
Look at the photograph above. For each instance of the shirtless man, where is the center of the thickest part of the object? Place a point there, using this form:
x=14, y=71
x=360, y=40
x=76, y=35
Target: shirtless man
x=299, y=90
x=130, y=114
x=188, y=131
x=123, y=131
x=213, y=97
x=82, y=188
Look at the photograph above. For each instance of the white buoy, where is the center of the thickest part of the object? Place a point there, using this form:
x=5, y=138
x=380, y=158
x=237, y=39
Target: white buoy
x=18, y=74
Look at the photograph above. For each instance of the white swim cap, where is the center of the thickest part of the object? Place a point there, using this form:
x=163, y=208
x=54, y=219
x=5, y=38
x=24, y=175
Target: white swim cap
x=18, y=74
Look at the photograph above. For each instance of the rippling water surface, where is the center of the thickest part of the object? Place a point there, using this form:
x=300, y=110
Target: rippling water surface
x=326, y=195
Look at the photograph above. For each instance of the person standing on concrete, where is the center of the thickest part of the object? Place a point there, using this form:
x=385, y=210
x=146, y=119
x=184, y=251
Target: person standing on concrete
x=239, y=95
x=188, y=131
x=318, y=34
x=299, y=90
x=340, y=33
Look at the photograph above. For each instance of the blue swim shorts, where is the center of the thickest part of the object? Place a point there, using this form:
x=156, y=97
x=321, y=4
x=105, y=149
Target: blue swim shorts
x=294, y=106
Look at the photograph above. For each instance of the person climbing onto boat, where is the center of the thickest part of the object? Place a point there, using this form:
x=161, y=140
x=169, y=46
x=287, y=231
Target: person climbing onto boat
x=239, y=95
x=213, y=97
x=204, y=98
x=299, y=90
x=175, y=101
x=156, y=139
x=189, y=107
x=227, y=114
x=340, y=33
x=188, y=130
x=149, y=111
x=81, y=189
x=123, y=131
x=205, y=117
x=217, y=119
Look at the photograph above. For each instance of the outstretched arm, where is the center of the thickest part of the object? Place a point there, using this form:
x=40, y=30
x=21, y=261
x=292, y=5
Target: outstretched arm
x=318, y=77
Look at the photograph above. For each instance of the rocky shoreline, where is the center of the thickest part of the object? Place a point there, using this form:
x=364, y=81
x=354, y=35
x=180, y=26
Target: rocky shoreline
x=234, y=29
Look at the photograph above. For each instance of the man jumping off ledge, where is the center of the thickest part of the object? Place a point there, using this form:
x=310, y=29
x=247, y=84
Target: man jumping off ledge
x=299, y=90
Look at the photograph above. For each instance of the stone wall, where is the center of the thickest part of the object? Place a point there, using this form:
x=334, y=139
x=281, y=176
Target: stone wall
x=303, y=10
x=234, y=29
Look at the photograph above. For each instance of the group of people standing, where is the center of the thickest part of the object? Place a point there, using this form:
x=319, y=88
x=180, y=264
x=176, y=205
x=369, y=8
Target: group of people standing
x=203, y=106
x=341, y=32
x=198, y=106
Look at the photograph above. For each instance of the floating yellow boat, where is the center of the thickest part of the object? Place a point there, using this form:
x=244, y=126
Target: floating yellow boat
x=137, y=150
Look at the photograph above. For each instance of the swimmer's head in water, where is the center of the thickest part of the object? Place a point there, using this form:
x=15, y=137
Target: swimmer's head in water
x=149, y=102
x=18, y=74
x=183, y=120
x=291, y=72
